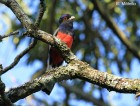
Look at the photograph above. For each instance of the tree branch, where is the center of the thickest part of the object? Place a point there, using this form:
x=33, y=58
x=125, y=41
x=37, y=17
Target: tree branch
x=76, y=69
x=12, y=33
x=4, y=100
x=103, y=12
x=18, y=57
x=3, y=1
x=41, y=12
x=20, y=14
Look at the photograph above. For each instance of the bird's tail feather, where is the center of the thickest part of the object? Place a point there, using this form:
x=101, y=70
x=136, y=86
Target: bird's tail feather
x=50, y=86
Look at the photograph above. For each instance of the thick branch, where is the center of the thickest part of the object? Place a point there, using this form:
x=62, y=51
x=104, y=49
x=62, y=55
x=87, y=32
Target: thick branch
x=3, y=1
x=39, y=83
x=18, y=11
x=76, y=69
x=103, y=12
x=4, y=100
x=108, y=81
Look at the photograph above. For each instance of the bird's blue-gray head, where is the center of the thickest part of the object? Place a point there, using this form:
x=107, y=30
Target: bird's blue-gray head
x=65, y=18
x=66, y=23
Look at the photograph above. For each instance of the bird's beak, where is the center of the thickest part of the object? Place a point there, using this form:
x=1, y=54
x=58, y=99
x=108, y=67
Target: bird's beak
x=72, y=18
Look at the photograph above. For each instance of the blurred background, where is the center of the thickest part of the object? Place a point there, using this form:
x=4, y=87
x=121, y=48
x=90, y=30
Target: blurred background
x=95, y=43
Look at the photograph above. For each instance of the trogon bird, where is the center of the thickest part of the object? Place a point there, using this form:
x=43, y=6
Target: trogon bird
x=64, y=33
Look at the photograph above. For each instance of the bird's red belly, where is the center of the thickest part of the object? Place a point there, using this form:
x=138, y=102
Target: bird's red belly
x=55, y=55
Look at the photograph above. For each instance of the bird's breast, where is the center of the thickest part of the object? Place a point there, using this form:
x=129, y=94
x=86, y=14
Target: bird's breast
x=68, y=39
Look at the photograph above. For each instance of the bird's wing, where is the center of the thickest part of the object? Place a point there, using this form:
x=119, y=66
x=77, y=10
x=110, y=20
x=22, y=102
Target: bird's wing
x=48, y=62
x=56, y=31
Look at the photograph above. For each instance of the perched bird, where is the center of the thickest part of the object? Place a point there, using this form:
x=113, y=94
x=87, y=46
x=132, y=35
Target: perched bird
x=64, y=33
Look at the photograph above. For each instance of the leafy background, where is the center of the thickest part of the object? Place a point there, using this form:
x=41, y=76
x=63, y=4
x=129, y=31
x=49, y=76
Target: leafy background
x=94, y=43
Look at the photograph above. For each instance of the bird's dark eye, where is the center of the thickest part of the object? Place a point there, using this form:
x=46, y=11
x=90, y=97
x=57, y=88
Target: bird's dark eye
x=65, y=18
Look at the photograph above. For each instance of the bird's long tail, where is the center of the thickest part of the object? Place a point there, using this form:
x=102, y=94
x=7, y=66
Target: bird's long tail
x=49, y=88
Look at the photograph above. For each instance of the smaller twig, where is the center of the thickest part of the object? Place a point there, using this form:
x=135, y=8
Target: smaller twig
x=137, y=95
x=3, y=1
x=41, y=12
x=12, y=33
x=5, y=100
x=1, y=67
x=18, y=57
